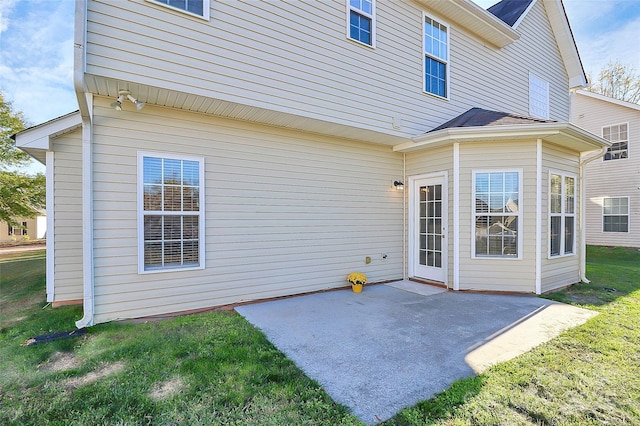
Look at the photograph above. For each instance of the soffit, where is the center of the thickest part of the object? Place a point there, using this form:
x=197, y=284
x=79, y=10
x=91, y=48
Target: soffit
x=196, y=103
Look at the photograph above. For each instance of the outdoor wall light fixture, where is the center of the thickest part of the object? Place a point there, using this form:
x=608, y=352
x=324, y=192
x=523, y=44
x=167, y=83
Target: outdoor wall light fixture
x=117, y=105
x=139, y=105
x=398, y=185
x=122, y=95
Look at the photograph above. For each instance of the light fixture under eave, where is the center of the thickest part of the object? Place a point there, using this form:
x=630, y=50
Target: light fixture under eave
x=122, y=95
x=117, y=105
x=398, y=185
x=139, y=105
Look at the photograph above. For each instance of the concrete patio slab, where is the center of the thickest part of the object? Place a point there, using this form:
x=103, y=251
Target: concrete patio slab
x=393, y=345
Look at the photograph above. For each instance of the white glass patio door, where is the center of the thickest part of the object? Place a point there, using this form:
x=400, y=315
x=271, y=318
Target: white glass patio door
x=429, y=248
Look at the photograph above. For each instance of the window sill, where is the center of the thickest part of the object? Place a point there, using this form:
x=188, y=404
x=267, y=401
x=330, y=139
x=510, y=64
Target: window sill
x=359, y=43
x=174, y=269
x=204, y=17
x=433, y=95
x=560, y=256
x=510, y=258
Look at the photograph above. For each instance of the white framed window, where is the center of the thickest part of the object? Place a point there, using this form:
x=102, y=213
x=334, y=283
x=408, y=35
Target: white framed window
x=615, y=214
x=562, y=214
x=538, y=97
x=361, y=21
x=199, y=8
x=170, y=212
x=18, y=231
x=436, y=57
x=497, y=218
x=618, y=135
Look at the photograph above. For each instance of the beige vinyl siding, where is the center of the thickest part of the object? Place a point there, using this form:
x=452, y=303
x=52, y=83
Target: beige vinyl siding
x=17, y=235
x=67, y=232
x=294, y=57
x=489, y=273
x=286, y=212
x=612, y=178
x=562, y=270
x=436, y=161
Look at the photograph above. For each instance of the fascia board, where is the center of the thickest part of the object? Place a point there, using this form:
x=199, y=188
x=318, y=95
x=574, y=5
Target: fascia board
x=582, y=140
x=614, y=101
x=464, y=12
x=39, y=137
x=566, y=43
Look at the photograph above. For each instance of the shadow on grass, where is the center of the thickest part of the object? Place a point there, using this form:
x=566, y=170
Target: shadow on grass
x=442, y=406
x=613, y=273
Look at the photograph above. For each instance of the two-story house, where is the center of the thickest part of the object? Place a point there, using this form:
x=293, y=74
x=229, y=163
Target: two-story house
x=612, y=184
x=229, y=151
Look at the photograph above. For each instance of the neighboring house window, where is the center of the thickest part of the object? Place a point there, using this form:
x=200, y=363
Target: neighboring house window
x=19, y=231
x=170, y=212
x=436, y=57
x=618, y=135
x=615, y=214
x=538, y=97
x=195, y=7
x=496, y=213
x=361, y=19
x=562, y=212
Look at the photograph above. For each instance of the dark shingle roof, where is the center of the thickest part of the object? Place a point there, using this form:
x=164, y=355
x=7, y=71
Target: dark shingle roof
x=509, y=11
x=477, y=117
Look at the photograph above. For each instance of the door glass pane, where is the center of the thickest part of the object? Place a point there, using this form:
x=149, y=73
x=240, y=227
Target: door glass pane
x=430, y=234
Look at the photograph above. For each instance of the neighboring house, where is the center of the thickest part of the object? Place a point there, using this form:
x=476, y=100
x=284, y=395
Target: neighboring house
x=275, y=136
x=613, y=182
x=28, y=229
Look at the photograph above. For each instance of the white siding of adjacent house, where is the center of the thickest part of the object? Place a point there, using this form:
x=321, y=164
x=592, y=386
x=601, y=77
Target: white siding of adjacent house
x=67, y=231
x=294, y=57
x=612, y=178
x=286, y=212
x=562, y=270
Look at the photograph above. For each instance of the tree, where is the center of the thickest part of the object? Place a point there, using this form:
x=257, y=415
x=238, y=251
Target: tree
x=21, y=195
x=619, y=81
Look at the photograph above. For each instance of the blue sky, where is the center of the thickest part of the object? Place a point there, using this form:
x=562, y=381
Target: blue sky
x=36, y=47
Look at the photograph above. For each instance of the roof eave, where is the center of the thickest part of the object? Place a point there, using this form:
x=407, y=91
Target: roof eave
x=563, y=134
x=475, y=19
x=36, y=140
x=566, y=43
x=604, y=98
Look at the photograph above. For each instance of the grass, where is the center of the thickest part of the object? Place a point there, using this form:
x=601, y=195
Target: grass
x=587, y=376
x=212, y=368
x=215, y=368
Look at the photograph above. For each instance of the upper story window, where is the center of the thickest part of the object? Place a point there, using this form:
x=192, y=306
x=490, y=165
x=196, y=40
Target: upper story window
x=496, y=214
x=361, y=21
x=562, y=215
x=195, y=7
x=618, y=135
x=538, y=97
x=436, y=57
x=170, y=212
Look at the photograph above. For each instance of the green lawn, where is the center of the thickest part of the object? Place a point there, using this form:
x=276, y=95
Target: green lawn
x=589, y=375
x=215, y=368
